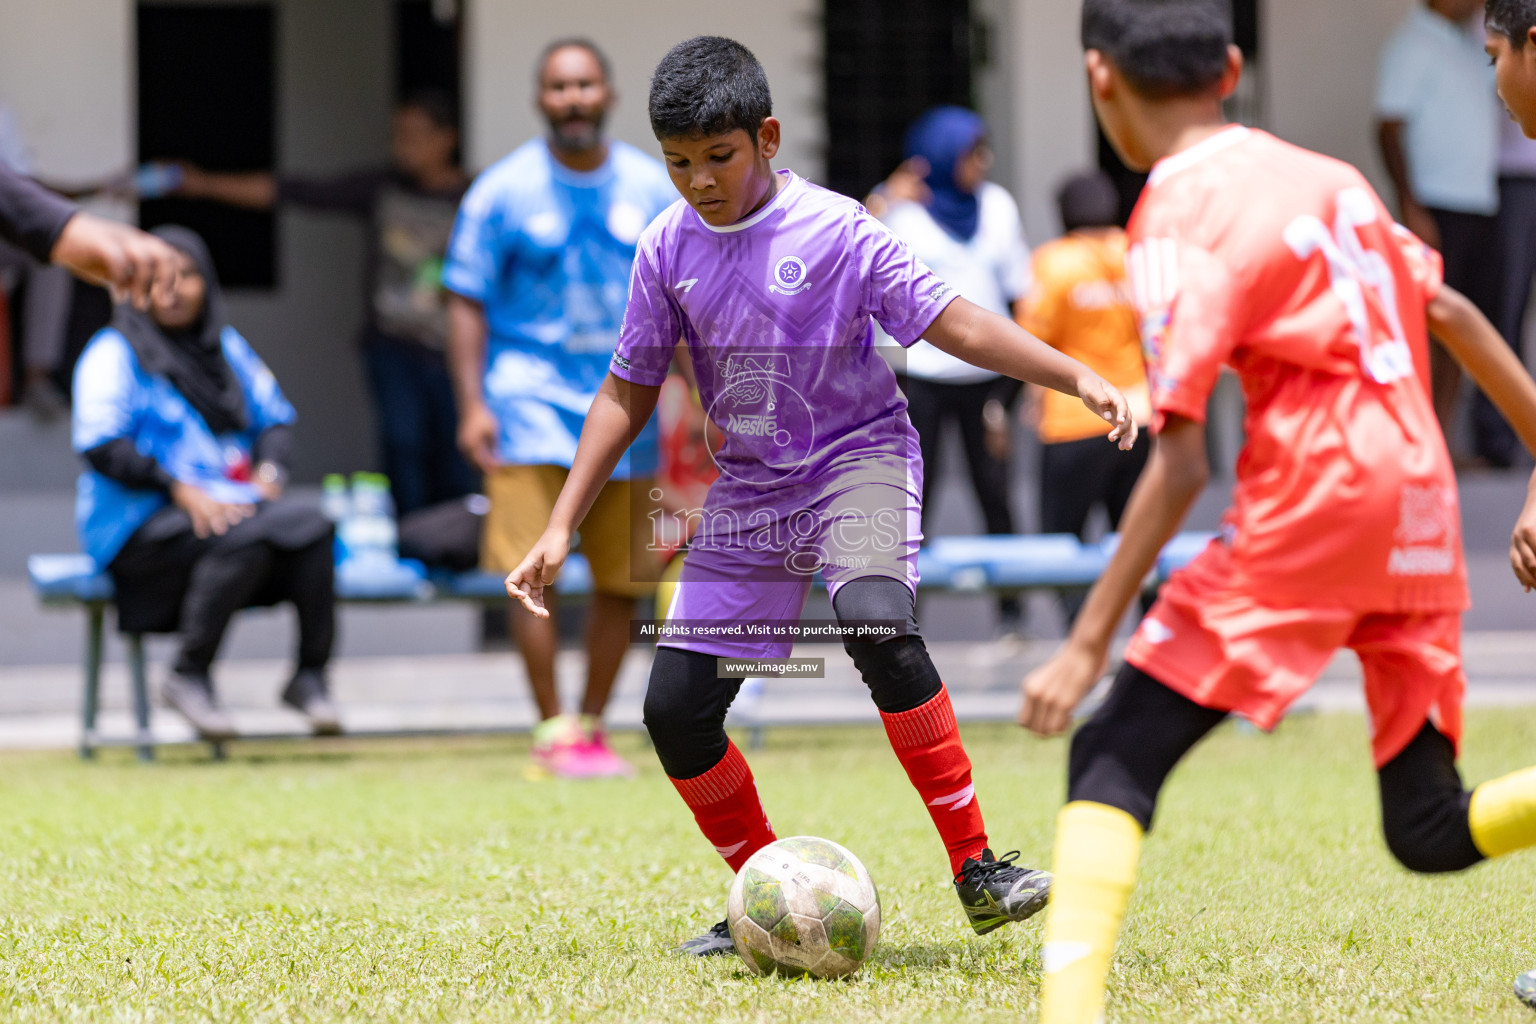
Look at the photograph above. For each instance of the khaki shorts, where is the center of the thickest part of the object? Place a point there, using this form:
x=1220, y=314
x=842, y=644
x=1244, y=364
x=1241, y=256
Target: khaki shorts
x=615, y=536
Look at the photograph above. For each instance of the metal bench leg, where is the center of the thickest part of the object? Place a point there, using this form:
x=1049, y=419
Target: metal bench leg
x=136, y=677
x=95, y=616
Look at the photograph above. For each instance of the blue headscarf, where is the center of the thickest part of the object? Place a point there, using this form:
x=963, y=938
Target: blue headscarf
x=941, y=137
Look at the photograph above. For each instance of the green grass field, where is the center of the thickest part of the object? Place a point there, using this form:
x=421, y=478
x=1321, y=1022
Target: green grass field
x=430, y=882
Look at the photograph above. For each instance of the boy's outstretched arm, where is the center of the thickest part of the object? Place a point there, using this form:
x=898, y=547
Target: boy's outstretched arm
x=1174, y=477
x=1477, y=346
x=992, y=342
x=618, y=414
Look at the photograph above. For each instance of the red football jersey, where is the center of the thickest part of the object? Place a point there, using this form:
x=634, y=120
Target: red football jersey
x=1284, y=265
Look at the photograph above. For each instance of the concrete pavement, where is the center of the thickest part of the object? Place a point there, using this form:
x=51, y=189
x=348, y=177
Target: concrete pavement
x=39, y=703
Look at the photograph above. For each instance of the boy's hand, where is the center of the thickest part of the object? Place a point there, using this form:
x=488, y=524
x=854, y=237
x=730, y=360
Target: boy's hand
x=538, y=570
x=1106, y=400
x=1054, y=690
x=1522, y=545
x=478, y=434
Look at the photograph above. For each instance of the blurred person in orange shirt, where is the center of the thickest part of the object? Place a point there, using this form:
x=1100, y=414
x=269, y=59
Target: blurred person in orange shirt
x=1080, y=305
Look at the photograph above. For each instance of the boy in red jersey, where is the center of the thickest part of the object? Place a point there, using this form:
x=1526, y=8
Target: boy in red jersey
x=1344, y=531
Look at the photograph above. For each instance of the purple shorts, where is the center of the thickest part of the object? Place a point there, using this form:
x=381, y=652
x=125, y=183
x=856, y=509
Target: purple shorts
x=747, y=575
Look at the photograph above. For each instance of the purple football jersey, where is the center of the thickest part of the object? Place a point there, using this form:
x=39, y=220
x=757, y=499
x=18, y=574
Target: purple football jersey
x=776, y=311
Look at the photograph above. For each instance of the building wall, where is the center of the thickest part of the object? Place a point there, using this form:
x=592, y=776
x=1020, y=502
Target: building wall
x=1052, y=131
x=503, y=39
x=67, y=70
x=1320, y=75
x=73, y=102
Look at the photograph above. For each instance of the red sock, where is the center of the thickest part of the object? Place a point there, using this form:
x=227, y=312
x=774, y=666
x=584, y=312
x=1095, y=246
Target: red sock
x=927, y=742
x=725, y=804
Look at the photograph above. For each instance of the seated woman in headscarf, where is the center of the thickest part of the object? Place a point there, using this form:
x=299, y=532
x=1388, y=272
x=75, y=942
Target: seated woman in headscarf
x=186, y=436
x=968, y=230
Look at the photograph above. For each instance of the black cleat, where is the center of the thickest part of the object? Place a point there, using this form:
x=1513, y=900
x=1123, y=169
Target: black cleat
x=994, y=892
x=1525, y=989
x=715, y=942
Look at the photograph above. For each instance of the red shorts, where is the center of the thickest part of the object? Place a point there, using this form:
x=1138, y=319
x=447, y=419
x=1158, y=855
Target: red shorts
x=1223, y=649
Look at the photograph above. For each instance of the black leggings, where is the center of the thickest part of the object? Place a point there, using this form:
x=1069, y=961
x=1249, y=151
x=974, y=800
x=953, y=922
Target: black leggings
x=225, y=580
x=686, y=701
x=1122, y=754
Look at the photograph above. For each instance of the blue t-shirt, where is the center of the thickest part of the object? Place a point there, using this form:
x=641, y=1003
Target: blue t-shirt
x=547, y=252
x=115, y=397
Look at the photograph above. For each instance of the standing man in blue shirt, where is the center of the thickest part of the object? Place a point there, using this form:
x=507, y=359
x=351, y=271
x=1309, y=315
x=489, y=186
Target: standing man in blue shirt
x=538, y=271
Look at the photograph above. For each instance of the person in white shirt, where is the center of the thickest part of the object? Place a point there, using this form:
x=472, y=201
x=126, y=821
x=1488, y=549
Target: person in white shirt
x=968, y=230
x=1438, y=127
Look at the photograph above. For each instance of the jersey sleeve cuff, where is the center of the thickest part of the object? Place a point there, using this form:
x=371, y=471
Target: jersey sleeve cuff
x=622, y=368
x=927, y=320
x=1184, y=406
x=465, y=285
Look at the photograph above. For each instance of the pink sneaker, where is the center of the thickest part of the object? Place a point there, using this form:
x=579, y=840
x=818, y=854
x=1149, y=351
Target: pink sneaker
x=556, y=744
x=597, y=760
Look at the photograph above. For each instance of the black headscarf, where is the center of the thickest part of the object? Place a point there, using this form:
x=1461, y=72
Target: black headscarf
x=191, y=358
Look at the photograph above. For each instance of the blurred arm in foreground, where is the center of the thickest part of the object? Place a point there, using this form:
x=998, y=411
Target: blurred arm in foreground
x=101, y=251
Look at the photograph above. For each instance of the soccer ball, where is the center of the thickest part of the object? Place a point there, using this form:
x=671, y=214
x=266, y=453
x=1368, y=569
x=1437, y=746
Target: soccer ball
x=803, y=906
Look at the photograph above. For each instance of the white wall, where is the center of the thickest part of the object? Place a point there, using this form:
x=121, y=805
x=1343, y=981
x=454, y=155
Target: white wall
x=67, y=69
x=67, y=73
x=1320, y=74
x=503, y=39
x=1053, y=133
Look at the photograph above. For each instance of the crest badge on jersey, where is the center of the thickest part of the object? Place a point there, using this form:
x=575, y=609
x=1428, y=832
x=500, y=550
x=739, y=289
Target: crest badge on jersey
x=790, y=276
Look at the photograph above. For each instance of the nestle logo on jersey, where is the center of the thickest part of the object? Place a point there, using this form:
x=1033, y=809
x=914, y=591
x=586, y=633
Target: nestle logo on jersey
x=752, y=426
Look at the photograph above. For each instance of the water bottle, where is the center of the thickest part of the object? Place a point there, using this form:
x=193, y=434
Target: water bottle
x=336, y=505
x=371, y=534
x=154, y=180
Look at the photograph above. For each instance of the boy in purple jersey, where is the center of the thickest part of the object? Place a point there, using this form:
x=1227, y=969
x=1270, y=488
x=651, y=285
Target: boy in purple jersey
x=772, y=283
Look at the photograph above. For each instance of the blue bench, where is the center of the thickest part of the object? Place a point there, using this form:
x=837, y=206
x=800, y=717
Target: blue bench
x=960, y=565
x=75, y=579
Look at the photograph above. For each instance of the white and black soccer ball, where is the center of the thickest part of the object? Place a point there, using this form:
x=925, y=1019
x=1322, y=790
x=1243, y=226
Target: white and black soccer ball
x=803, y=905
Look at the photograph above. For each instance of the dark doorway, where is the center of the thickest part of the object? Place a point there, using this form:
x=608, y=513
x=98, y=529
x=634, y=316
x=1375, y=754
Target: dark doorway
x=886, y=61
x=426, y=49
x=207, y=95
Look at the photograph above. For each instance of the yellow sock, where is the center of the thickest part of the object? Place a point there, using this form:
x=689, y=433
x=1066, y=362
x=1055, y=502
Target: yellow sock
x=1503, y=814
x=1097, y=847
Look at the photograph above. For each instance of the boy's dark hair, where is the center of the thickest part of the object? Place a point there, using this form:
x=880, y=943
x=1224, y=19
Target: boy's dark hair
x=1088, y=200
x=1512, y=19
x=439, y=107
x=708, y=85
x=1163, y=47
x=565, y=43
